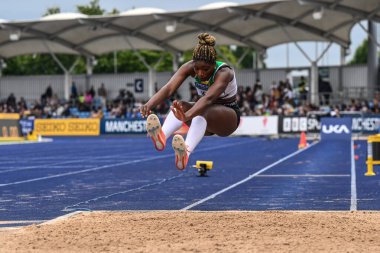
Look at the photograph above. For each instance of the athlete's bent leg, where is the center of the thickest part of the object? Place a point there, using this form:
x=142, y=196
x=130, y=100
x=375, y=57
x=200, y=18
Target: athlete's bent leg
x=171, y=124
x=196, y=132
x=184, y=148
x=221, y=120
x=159, y=134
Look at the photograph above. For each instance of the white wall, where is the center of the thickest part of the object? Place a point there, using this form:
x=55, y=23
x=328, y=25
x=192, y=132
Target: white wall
x=31, y=87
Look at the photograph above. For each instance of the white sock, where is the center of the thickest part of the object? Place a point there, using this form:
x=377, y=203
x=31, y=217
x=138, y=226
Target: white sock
x=171, y=124
x=196, y=132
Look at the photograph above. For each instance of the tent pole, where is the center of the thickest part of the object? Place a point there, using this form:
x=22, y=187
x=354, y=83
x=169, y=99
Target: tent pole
x=372, y=62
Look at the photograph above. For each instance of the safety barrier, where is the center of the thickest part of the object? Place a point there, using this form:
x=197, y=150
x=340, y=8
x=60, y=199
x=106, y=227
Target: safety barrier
x=373, y=153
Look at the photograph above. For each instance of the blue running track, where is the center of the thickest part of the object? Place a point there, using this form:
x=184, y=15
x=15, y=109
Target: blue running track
x=42, y=181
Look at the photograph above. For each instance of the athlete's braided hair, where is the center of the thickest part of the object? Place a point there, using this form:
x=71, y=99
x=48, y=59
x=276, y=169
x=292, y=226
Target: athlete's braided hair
x=205, y=50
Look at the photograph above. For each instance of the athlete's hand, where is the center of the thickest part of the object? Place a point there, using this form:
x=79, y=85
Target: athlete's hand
x=178, y=111
x=145, y=110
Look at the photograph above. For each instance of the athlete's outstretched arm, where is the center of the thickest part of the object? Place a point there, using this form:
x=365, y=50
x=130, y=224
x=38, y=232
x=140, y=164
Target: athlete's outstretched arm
x=166, y=91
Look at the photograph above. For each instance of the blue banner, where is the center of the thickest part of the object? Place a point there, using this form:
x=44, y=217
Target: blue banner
x=27, y=126
x=336, y=129
x=123, y=126
x=367, y=124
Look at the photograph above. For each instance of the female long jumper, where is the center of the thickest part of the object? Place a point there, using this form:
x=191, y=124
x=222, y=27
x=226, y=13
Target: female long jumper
x=216, y=112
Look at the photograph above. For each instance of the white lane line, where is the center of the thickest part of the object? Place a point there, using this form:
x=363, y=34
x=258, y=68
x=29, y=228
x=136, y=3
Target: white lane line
x=20, y=222
x=354, y=205
x=247, y=178
x=116, y=165
x=306, y=175
x=42, y=166
x=25, y=142
x=76, y=206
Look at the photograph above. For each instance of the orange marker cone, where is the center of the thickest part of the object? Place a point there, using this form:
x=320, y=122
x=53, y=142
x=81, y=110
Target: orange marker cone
x=303, y=143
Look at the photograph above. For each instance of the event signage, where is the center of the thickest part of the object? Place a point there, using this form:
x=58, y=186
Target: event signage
x=27, y=126
x=364, y=124
x=67, y=127
x=293, y=124
x=336, y=128
x=123, y=126
x=257, y=125
x=9, y=125
x=139, y=85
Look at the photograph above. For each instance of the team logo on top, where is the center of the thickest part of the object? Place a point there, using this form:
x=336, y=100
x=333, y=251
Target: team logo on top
x=201, y=86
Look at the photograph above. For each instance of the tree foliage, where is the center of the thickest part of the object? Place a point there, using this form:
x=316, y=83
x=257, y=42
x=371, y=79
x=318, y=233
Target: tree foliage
x=93, y=8
x=361, y=54
x=127, y=60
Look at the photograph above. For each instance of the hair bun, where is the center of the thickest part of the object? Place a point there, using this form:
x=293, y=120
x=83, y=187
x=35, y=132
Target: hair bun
x=206, y=39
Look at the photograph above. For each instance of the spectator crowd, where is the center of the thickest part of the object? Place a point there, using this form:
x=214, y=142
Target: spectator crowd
x=283, y=99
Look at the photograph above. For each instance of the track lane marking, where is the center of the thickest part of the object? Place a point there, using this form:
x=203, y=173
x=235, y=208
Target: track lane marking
x=118, y=164
x=354, y=205
x=247, y=178
x=306, y=175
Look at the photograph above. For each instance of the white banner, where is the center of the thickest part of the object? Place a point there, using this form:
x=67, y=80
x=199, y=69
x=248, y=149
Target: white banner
x=257, y=125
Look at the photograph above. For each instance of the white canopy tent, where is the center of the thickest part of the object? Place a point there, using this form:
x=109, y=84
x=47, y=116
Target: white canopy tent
x=259, y=25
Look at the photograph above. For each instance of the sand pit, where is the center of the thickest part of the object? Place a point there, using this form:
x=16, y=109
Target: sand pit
x=191, y=231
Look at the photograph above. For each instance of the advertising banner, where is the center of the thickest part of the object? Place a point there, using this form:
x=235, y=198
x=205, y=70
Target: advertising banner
x=257, y=125
x=366, y=124
x=67, y=127
x=293, y=124
x=336, y=129
x=123, y=126
x=27, y=126
x=9, y=125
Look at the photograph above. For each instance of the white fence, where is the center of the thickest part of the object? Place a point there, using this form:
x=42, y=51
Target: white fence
x=346, y=82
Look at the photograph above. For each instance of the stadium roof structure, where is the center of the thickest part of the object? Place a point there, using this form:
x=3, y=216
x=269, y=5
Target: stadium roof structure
x=259, y=25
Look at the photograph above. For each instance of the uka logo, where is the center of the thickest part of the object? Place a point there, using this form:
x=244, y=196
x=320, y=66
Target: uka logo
x=335, y=129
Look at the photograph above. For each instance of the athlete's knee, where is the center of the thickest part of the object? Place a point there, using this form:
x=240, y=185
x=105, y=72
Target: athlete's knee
x=199, y=120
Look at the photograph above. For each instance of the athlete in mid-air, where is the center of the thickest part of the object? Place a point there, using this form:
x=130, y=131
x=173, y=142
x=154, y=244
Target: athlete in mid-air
x=216, y=111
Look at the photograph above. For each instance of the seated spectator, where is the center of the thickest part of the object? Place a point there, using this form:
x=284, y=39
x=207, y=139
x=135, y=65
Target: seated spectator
x=97, y=112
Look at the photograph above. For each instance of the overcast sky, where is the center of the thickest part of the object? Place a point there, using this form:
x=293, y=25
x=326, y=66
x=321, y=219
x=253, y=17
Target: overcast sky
x=34, y=9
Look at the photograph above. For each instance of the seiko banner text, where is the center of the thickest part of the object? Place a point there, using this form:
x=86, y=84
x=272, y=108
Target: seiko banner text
x=66, y=127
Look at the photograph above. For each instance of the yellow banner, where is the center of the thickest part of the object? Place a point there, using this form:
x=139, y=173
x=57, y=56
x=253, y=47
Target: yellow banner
x=9, y=116
x=66, y=127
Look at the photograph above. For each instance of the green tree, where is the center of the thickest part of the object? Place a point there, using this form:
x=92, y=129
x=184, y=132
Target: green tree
x=93, y=8
x=247, y=61
x=127, y=60
x=52, y=10
x=361, y=54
